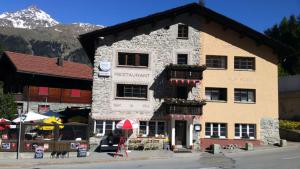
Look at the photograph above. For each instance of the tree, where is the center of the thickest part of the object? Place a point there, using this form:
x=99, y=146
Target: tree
x=288, y=32
x=8, y=106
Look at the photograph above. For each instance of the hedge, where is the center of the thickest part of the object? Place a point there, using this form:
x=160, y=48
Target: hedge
x=287, y=124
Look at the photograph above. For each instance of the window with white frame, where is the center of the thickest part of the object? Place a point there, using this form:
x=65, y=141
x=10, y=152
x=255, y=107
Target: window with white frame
x=246, y=131
x=104, y=127
x=152, y=128
x=143, y=128
x=215, y=130
x=244, y=95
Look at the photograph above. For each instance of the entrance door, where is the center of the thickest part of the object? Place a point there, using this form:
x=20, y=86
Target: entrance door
x=180, y=132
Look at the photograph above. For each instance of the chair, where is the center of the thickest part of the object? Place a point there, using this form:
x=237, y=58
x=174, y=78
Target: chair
x=155, y=144
x=148, y=145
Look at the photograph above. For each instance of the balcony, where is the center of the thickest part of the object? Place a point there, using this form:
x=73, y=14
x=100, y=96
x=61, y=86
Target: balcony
x=183, y=107
x=185, y=74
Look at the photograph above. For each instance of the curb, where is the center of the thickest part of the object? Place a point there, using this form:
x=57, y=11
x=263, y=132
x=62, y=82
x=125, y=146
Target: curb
x=258, y=150
x=25, y=163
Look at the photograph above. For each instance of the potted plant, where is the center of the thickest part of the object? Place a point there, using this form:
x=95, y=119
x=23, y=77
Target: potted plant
x=215, y=135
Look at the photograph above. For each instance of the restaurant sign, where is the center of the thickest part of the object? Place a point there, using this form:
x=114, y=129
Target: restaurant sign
x=104, y=68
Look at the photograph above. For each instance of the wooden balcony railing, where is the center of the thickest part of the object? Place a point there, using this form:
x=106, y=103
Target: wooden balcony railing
x=185, y=72
x=183, y=107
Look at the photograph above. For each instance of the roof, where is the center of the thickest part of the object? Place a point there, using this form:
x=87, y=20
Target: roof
x=87, y=40
x=46, y=66
x=289, y=83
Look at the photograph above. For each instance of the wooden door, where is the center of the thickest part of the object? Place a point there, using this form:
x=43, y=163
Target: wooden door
x=180, y=132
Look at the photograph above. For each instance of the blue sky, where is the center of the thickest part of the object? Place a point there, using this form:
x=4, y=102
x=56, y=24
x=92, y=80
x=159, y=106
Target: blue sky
x=257, y=14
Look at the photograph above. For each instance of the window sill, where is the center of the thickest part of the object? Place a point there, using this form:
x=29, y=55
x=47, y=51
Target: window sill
x=216, y=101
x=208, y=137
x=131, y=98
x=245, y=70
x=215, y=68
x=129, y=66
x=239, y=138
x=244, y=102
x=183, y=38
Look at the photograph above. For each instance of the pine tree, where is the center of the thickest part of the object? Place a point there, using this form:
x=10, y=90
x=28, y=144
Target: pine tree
x=288, y=32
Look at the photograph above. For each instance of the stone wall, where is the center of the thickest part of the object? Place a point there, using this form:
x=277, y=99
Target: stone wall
x=161, y=43
x=269, y=131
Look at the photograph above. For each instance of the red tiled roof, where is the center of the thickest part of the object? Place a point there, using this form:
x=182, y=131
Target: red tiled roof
x=48, y=66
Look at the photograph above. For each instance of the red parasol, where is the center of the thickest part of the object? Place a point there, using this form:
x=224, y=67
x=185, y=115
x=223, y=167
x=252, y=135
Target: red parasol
x=3, y=127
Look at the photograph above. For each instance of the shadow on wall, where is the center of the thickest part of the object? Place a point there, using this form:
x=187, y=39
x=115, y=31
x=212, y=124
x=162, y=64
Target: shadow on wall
x=239, y=40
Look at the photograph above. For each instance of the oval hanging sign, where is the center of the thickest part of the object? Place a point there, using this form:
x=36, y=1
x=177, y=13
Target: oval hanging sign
x=104, y=68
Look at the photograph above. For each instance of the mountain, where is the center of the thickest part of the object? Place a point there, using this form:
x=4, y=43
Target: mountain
x=33, y=31
x=29, y=18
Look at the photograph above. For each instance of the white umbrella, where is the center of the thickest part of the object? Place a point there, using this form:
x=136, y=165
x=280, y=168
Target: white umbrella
x=127, y=124
x=30, y=116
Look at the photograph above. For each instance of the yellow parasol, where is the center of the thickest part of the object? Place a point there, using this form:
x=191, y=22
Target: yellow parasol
x=51, y=120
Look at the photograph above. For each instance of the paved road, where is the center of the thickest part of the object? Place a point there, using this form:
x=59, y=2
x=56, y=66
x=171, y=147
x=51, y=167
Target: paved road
x=285, y=159
x=288, y=158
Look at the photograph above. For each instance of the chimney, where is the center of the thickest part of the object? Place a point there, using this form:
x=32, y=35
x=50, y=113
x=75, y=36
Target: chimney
x=60, y=61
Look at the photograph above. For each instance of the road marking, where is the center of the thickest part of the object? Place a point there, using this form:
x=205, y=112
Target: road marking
x=290, y=158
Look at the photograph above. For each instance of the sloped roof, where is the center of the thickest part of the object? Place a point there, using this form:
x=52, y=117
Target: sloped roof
x=87, y=40
x=46, y=66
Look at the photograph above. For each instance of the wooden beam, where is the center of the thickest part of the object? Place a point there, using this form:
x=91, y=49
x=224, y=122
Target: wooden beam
x=258, y=43
x=241, y=36
x=224, y=27
x=207, y=20
x=153, y=24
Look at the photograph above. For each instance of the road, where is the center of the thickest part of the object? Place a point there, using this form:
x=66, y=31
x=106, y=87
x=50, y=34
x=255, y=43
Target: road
x=288, y=158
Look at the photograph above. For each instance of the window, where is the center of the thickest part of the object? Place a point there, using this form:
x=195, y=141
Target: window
x=161, y=128
x=134, y=91
x=183, y=31
x=152, y=128
x=182, y=59
x=216, y=94
x=99, y=126
x=143, y=128
x=43, y=91
x=105, y=127
x=215, y=130
x=108, y=127
x=219, y=62
x=244, y=95
x=133, y=59
x=75, y=93
x=244, y=63
x=246, y=131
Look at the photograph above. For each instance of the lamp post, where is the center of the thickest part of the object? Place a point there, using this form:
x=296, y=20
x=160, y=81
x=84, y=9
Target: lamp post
x=20, y=131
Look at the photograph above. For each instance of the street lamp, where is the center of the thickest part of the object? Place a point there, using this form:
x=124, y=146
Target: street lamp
x=21, y=118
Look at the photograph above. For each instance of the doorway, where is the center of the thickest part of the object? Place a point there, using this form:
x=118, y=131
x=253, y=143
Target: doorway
x=180, y=132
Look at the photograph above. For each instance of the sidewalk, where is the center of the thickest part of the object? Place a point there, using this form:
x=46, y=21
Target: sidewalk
x=94, y=157
x=262, y=148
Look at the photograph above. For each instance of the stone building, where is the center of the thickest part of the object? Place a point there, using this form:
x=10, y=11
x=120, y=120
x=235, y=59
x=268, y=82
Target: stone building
x=152, y=70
